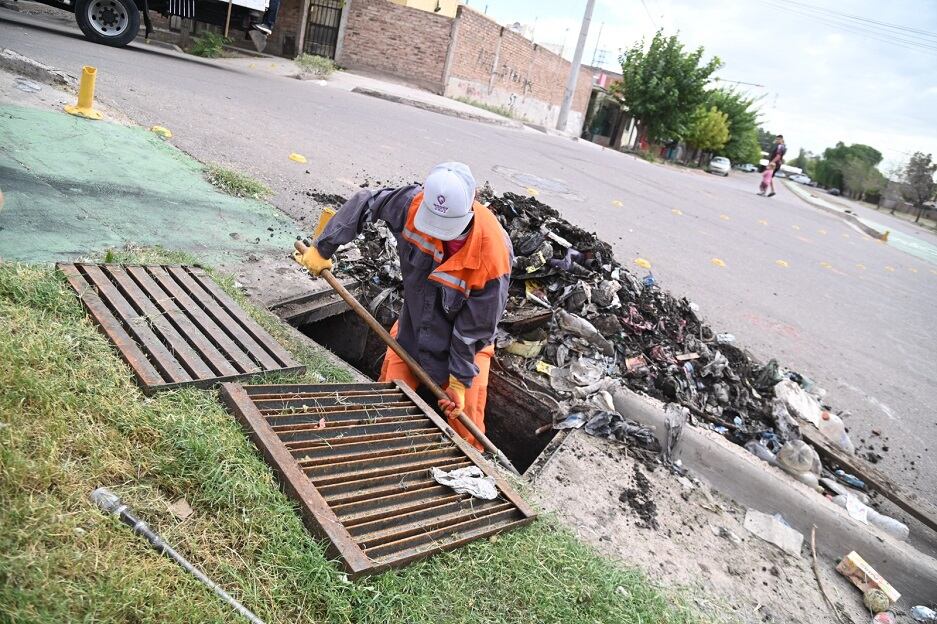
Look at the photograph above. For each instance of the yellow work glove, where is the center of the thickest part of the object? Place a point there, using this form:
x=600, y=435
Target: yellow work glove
x=313, y=260
x=456, y=401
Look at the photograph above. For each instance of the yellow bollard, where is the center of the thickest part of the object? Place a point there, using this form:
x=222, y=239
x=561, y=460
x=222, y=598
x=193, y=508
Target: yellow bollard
x=885, y=236
x=85, y=106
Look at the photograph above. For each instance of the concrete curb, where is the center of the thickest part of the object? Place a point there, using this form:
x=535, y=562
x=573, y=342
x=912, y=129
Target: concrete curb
x=435, y=108
x=751, y=482
x=18, y=64
x=833, y=210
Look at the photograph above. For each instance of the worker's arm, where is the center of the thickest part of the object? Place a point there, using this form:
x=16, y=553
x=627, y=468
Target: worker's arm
x=474, y=327
x=387, y=204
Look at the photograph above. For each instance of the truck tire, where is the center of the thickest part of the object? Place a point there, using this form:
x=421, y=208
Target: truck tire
x=111, y=22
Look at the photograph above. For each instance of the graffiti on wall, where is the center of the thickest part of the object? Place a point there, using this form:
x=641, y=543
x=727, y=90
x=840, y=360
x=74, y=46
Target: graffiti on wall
x=487, y=60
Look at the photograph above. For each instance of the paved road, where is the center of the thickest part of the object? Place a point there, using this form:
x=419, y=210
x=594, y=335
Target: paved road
x=798, y=284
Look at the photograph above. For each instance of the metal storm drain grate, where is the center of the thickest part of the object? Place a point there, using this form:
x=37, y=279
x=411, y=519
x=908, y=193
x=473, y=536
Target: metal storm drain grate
x=357, y=458
x=174, y=326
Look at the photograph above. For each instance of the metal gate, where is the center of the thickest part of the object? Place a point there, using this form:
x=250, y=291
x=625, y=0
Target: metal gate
x=322, y=27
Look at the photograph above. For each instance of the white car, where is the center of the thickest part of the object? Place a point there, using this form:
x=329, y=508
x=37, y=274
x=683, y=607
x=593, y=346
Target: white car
x=800, y=178
x=720, y=165
x=748, y=168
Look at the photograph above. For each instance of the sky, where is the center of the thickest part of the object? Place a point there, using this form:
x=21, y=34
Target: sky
x=825, y=77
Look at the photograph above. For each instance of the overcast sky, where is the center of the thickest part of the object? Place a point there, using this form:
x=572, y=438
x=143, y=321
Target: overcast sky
x=826, y=77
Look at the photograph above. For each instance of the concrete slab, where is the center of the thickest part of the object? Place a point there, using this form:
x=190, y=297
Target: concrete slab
x=74, y=187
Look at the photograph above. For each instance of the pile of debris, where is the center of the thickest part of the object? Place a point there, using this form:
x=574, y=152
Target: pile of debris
x=579, y=325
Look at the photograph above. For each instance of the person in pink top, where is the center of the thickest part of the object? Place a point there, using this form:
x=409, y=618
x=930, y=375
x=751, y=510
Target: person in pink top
x=766, y=179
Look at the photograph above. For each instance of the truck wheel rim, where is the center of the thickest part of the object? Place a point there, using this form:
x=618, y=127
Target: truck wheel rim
x=108, y=17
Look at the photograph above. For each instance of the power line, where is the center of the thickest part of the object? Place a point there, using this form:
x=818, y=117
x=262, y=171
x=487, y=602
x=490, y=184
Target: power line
x=646, y=10
x=859, y=18
x=866, y=32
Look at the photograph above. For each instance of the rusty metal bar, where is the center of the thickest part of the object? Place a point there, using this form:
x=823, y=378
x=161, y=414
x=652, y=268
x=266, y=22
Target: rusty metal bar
x=360, y=470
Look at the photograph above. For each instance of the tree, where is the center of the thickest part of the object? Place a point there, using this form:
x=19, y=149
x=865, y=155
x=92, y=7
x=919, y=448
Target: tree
x=662, y=86
x=919, y=186
x=765, y=139
x=801, y=161
x=742, y=118
x=829, y=169
x=708, y=130
x=860, y=178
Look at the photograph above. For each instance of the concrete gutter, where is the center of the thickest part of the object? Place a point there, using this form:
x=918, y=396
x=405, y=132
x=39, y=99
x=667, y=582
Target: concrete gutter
x=436, y=108
x=751, y=482
x=16, y=63
x=826, y=206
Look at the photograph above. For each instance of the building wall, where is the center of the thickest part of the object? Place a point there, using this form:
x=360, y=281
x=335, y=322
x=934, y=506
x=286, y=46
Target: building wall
x=446, y=7
x=499, y=67
x=384, y=37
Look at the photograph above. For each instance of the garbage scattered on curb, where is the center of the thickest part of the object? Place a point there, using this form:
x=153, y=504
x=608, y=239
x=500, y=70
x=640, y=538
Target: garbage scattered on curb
x=774, y=530
x=27, y=86
x=921, y=613
x=181, y=509
x=864, y=576
x=885, y=617
x=468, y=480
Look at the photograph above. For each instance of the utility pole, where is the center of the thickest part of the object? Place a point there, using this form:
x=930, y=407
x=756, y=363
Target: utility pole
x=574, y=68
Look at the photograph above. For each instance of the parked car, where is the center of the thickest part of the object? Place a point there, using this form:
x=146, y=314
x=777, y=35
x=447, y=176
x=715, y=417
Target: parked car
x=801, y=179
x=834, y=191
x=747, y=168
x=720, y=165
x=780, y=174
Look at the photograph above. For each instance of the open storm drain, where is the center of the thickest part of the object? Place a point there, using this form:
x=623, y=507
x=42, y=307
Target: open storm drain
x=549, y=186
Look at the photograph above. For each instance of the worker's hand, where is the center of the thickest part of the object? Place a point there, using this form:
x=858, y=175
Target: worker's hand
x=456, y=401
x=313, y=260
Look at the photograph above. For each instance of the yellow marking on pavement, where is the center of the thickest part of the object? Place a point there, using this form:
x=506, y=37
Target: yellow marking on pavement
x=617, y=203
x=252, y=65
x=641, y=262
x=890, y=269
x=297, y=158
x=676, y=211
x=532, y=191
x=934, y=271
x=845, y=235
x=724, y=217
x=782, y=263
x=912, y=269
x=823, y=232
x=762, y=221
x=826, y=265
x=796, y=227
x=718, y=262
x=804, y=239
x=860, y=266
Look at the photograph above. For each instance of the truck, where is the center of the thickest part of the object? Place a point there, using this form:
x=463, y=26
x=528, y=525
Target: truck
x=117, y=22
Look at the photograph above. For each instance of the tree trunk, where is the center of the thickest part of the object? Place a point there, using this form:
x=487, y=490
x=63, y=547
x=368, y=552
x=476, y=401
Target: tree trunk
x=920, y=211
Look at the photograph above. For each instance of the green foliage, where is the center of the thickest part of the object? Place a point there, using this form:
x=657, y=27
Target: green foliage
x=73, y=420
x=861, y=178
x=709, y=129
x=312, y=65
x=491, y=108
x=208, y=45
x=663, y=85
x=830, y=168
x=765, y=139
x=919, y=185
x=237, y=184
x=742, y=120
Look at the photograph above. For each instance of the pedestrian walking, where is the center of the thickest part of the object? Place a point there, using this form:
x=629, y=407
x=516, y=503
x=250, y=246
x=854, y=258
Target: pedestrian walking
x=776, y=157
x=766, y=179
x=456, y=262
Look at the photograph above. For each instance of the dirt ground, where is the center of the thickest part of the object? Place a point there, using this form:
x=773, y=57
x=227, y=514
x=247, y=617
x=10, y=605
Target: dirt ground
x=685, y=535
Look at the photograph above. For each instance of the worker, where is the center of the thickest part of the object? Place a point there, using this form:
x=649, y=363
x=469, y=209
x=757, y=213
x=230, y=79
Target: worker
x=456, y=263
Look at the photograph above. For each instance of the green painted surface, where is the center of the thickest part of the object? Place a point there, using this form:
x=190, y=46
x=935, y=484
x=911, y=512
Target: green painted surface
x=74, y=187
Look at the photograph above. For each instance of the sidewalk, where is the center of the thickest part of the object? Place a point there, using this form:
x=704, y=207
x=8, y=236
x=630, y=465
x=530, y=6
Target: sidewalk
x=910, y=244
x=382, y=88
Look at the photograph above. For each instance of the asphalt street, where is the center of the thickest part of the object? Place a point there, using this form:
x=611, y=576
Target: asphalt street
x=790, y=281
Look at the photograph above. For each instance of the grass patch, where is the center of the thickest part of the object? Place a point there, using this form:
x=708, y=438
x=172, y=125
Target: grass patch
x=236, y=184
x=311, y=65
x=73, y=419
x=208, y=45
x=497, y=110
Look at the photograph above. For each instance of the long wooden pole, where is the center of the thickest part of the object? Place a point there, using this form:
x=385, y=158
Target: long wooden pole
x=415, y=367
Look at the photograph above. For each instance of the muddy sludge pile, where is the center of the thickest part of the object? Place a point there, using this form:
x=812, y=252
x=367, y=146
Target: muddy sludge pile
x=579, y=324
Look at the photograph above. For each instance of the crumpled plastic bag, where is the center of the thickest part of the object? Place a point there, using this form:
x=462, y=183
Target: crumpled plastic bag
x=798, y=402
x=468, y=480
x=584, y=329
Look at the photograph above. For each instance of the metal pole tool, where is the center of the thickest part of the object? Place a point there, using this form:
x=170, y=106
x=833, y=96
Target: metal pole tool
x=110, y=504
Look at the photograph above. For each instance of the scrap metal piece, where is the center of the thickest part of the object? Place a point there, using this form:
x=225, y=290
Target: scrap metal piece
x=358, y=459
x=174, y=326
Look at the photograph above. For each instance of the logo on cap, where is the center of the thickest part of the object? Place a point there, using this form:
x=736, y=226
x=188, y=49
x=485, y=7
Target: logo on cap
x=440, y=200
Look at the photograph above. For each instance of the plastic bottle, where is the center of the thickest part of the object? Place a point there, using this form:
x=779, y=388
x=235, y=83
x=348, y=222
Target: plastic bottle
x=833, y=428
x=865, y=514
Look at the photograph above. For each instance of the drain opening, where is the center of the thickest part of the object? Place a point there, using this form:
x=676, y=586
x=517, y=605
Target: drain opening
x=512, y=415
